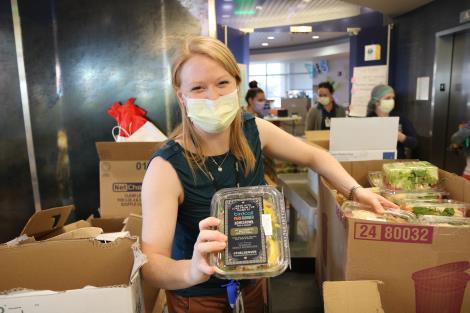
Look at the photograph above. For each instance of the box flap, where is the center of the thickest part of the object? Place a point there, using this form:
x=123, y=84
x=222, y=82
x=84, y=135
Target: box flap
x=46, y=221
x=126, y=151
x=133, y=224
x=352, y=297
x=80, y=233
x=67, y=264
x=370, y=133
x=108, y=224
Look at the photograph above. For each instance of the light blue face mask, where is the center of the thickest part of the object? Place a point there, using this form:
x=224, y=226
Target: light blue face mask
x=213, y=116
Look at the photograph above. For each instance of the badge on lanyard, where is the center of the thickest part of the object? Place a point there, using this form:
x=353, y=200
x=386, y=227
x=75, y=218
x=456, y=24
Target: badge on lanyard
x=327, y=122
x=234, y=296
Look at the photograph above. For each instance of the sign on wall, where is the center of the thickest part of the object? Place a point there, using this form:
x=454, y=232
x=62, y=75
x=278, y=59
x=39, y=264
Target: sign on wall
x=364, y=79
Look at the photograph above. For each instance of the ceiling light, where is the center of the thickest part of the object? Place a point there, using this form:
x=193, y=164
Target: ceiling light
x=271, y=37
x=258, y=7
x=306, y=1
x=316, y=37
x=227, y=6
x=301, y=29
x=265, y=44
x=226, y=16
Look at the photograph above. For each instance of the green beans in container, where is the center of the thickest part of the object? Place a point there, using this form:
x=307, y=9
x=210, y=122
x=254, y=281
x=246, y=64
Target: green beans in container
x=254, y=220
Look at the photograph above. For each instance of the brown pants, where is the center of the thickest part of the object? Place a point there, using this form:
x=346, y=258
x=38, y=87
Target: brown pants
x=254, y=299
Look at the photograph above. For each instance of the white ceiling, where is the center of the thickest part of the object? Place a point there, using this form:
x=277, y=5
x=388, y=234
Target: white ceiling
x=391, y=7
x=288, y=39
x=272, y=13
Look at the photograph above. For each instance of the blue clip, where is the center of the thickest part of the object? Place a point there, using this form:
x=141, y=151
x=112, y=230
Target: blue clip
x=232, y=292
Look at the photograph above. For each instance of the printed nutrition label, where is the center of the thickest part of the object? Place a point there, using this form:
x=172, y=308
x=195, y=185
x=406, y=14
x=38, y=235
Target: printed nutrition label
x=393, y=233
x=246, y=242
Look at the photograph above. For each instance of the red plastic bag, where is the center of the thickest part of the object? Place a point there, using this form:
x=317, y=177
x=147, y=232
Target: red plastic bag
x=129, y=117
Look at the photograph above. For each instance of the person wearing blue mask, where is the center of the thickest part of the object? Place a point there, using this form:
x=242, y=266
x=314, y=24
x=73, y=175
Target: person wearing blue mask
x=319, y=116
x=216, y=146
x=382, y=104
x=255, y=99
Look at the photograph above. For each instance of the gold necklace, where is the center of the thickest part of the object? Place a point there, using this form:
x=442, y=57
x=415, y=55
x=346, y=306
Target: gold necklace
x=219, y=166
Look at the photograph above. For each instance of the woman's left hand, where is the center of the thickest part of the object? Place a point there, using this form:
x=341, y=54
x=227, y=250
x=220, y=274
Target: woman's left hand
x=375, y=201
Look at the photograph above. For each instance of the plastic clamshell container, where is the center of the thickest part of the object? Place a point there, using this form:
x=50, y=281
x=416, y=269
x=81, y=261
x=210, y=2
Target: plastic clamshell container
x=375, y=178
x=254, y=220
x=356, y=210
x=449, y=208
x=399, y=197
x=444, y=220
x=408, y=176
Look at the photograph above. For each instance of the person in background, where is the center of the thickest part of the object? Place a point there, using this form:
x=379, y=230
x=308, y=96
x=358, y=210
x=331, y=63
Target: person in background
x=382, y=104
x=461, y=140
x=319, y=116
x=255, y=99
x=216, y=146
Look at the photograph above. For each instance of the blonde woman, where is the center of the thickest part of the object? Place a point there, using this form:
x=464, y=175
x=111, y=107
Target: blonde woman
x=216, y=146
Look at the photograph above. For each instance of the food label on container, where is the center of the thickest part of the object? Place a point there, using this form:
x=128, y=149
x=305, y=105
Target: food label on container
x=243, y=225
x=393, y=233
x=267, y=225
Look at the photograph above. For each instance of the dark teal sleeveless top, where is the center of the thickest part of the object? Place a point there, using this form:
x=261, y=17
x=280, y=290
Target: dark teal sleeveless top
x=198, y=192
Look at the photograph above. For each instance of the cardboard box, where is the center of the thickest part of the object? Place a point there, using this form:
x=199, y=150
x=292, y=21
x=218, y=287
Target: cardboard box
x=72, y=276
x=319, y=137
x=122, y=169
x=352, y=297
x=424, y=268
x=154, y=298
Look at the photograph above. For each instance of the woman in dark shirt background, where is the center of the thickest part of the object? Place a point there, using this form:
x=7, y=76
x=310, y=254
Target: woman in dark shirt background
x=319, y=116
x=381, y=104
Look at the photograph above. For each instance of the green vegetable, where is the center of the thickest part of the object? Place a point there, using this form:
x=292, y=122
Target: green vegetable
x=432, y=211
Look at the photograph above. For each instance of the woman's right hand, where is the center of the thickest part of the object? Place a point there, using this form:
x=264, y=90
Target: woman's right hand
x=208, y=241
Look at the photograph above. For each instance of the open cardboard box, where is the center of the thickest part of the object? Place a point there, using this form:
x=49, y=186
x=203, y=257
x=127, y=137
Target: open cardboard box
x=424, y=268
x=50, y=225
x=352, y=297
x=122, y=170
x=73, y=276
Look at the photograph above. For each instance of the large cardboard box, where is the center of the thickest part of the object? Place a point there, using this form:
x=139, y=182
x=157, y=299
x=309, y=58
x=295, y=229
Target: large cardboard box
x=318, y=137
x=352, y=297
x=72, y=276
x=122, y=169
x=424, y=268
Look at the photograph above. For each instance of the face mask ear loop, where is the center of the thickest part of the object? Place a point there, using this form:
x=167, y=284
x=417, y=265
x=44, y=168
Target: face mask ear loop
x=120, y=129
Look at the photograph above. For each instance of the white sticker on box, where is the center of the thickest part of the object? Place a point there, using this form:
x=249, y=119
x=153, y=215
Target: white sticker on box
x=267, y=224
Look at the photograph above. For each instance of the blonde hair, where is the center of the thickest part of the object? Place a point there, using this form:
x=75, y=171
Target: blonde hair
x=238, y=145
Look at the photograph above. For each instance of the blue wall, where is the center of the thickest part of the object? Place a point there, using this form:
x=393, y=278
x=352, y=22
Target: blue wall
x=238, y=43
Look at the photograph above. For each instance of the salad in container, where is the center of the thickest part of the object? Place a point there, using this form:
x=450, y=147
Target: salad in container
x=399, y=197
x=448, y=208
x=444, y=221
x=254, y=220
x=410, y=176
x=356, y=210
